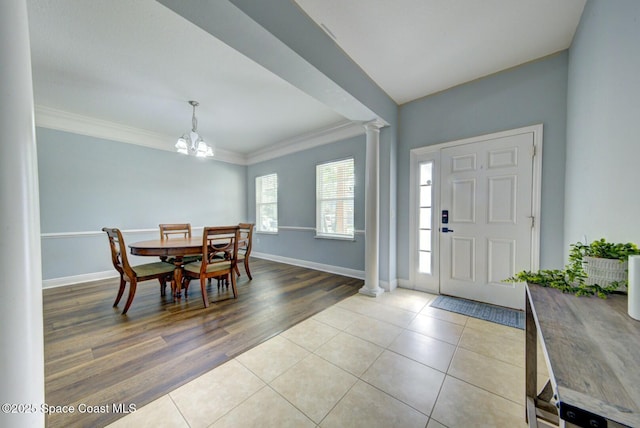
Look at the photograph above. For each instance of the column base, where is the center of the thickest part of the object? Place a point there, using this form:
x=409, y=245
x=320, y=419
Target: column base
x=371, y=292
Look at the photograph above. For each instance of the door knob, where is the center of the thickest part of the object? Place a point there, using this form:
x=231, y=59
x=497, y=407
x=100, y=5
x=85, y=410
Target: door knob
x=446, y=230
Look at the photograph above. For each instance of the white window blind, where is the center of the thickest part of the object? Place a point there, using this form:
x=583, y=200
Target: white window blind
x=335, y=182
x=267, y=203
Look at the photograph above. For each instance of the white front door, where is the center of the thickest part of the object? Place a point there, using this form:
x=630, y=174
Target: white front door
x=490, y=188
x=486, y=218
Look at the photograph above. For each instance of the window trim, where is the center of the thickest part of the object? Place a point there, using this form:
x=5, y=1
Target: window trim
x=428, y=282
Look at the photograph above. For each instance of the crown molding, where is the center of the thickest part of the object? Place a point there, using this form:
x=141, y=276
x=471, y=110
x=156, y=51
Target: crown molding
x=307, y=141
x=51, y=118
x=60, y=120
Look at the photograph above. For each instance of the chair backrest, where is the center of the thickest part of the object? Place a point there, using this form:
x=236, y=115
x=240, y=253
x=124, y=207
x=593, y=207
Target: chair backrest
x=118, y=251
x=246, y=233
x=220, y=239
x=168, y=229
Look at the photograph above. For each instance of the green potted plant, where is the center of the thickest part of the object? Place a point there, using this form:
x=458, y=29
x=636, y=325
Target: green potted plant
x=598, y=268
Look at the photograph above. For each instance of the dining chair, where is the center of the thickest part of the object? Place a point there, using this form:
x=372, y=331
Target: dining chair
x=244, y=250
x=134, y=274
x=169, y=229
x=218, y=240
x=180, y=230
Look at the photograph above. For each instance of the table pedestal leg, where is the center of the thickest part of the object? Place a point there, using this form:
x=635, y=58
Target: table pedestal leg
x=176, y=286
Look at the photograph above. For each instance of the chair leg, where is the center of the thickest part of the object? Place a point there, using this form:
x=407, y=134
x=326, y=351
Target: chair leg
x=237, y=270
x=223, y=280
x=233, y=285
x=203, y=288
x=246, y=267
x=132, y=292
x=163, y=286
x=120, y=291
x=185, y=285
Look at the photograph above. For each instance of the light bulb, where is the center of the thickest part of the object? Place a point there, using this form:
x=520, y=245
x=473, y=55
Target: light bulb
x=181, y=146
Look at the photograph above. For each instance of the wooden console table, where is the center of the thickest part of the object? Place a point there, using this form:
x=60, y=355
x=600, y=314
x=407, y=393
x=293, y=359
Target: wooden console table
x=592, y=351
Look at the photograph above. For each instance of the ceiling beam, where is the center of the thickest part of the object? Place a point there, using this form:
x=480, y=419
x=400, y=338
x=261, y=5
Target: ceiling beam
x=278, y=36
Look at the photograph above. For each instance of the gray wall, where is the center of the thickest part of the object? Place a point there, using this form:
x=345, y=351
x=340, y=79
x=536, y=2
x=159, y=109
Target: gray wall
x=87, y=183
x=527, y=95
x=603, y=146
x=297, y=203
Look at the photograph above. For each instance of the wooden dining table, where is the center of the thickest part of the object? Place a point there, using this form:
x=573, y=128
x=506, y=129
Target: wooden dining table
x=177, y=248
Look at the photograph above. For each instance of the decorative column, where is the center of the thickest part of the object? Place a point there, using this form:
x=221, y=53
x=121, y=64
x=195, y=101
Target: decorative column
x=21, y=331
x=371, y=211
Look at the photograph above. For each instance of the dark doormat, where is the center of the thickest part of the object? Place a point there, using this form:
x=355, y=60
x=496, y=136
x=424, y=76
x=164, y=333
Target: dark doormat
x=496, y=314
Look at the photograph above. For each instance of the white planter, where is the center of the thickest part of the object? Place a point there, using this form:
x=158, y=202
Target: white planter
x=605, y=271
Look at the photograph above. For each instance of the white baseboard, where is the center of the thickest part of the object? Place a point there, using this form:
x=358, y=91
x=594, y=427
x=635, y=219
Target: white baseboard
x=389, y=285
x=405, y=283
x=77, y=279
x=352, y=273
x=359, y=274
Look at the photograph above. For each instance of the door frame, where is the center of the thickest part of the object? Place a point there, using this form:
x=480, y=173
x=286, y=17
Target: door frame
x=432, y=152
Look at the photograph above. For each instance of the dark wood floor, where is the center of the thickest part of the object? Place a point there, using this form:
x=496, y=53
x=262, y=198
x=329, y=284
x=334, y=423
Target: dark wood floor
x=97, y=357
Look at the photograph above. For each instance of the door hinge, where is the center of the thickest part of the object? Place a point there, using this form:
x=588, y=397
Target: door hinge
x=533, y=221
x=533, y=151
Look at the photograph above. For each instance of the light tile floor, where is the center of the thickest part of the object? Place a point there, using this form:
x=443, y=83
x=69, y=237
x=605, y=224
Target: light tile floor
x=391, y=361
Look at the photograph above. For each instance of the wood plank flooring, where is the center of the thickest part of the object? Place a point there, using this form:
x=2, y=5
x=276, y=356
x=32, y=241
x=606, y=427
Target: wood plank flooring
x=95, y=356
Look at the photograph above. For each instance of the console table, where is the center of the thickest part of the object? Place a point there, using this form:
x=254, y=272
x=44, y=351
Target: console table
x=592, y=352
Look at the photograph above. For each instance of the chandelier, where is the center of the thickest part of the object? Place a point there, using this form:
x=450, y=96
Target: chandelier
x=191, y=143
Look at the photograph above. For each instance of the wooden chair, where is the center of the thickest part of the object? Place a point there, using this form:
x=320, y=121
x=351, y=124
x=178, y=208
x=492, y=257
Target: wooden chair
x=216, y=240
x=180, y=230
x=169, y=229
x=244, y=251
x=134, y=274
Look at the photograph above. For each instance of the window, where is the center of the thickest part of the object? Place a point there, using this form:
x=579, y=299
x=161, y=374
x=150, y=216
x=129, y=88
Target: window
x=267, y=203
x=425, y=227
x=334, y=199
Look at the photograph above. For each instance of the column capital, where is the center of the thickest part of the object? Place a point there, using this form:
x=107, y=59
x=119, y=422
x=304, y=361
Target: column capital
x=374, y=125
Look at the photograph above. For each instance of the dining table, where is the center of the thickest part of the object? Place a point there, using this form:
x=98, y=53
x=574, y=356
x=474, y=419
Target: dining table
x=177, y=249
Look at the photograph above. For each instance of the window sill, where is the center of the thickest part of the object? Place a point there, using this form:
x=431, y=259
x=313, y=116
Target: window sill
x=266, y=232
x=336, y=237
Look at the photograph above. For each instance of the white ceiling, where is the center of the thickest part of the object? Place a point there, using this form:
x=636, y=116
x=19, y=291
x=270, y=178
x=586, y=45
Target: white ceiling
x=135, y=64
x=413, y=48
